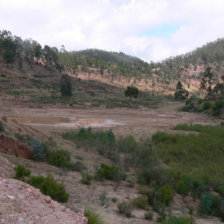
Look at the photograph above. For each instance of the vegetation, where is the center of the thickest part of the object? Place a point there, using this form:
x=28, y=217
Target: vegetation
x=125, y=208
x=1, y=127
x=181, y=93
x=86, y=178
x=37, y=148
x=165, y=194
x=131, y=92
x=47, y=185
x=21, y=172
x=66, y=85
x=178, y=220
x=141, y=202
x=93, y=217
x=60, y=158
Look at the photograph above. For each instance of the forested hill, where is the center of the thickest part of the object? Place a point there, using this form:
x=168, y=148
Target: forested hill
x=112, y=67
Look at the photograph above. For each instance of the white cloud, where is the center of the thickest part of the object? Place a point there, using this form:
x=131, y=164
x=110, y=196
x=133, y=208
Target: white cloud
x=116, y=25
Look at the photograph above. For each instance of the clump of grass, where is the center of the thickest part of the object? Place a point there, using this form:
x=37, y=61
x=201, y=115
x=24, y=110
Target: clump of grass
x=60, y=158
x=125, y=208
x=93, y=217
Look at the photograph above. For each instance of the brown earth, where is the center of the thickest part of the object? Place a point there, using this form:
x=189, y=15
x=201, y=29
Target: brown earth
x=12, y=146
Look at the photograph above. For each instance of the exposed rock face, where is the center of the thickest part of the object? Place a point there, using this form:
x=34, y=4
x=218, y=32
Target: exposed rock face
x=12, y=146
x=21, y=203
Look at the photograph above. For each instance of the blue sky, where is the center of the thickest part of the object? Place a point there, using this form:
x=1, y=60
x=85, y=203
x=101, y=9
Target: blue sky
x=149, y=29
x=165, y=31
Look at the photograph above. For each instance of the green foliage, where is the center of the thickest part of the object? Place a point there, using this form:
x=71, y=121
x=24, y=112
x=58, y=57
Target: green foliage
x=220, y=189
x=187, y=184
x=125, y=208
x=180, y=93
x=60, y=158
x=104, y=199
x=21, y=172
x=1, y=127
x=77, y=166
x=37, y=148
x=207, y=105
x=148, y=215
x=141, y=202
x=49, y=186
x=162, y=137
x=109, y=172
x=131, y=92
x=126, y=144
x=218, y=107
x=102, y=141
x=165, y=195
x=210, y=204
x=93, y=217
x=178, y=220
x=66, y=85
x=86, y=178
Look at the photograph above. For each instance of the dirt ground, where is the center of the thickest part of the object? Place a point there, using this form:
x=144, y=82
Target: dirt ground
x=49, y=121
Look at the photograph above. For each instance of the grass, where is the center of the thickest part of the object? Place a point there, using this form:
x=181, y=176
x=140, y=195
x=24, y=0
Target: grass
x=93, y=217
x=193, y=154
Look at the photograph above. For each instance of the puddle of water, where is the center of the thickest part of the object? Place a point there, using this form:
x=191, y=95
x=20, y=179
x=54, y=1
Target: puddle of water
x=81, y=123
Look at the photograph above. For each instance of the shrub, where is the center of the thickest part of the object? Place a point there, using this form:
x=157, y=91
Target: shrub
x=126, y=144
x=60, y=158
x=125, y=208
x=218, y=107
x=21, y=172
x=165, y=194
x=210, y=204
x=187, y=184
x=1, y=127
x=206, y=105
x=140, y=202
x=114, y=199
x=109, y=172
x=104, y=200
x=162, y=137
x=178, y=220
x=37, y=148
x=131, y=181
x=220, y=189
x=148, y=215
x=86, y=178
x=77, y=166
x=93, y=217
x=49, y=186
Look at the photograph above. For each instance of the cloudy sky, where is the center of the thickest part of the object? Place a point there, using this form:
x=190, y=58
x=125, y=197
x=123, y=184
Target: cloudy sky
x=149, y=29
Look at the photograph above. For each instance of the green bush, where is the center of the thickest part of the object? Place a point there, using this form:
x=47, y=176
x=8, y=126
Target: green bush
x=141, y=202
x=21, y=172
x=165, y=194
x=187, y=184
x=86, y=178
x=210, y=204
x=220, y=189
x=125, y=208
x=218, y=107
x=49, y=186
x=178, y=220
x=37, y=148
x=126, y=144
x=206, y=105
x=60, y=158
x=162, y=137
x=109, y=172
x=1, y=127
x=148, y=215
x=93, y=217
x=77, y=166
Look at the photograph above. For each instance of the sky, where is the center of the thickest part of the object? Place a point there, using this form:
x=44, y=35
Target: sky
x=152, y=30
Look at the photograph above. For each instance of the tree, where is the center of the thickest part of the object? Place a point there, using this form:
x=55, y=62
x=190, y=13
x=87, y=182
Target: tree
x=207, y=81
x=66, y=85
x=131, y=92
x=181, y=93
